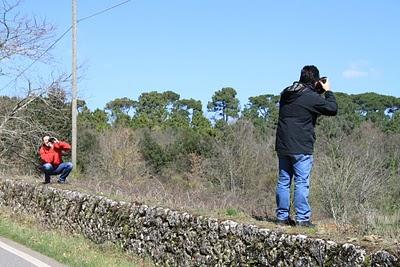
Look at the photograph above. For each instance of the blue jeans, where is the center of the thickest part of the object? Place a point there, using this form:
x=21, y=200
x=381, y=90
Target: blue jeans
x=298, y=166
x=64, y=169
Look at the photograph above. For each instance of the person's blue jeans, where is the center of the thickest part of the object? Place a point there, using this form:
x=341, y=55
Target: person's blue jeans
x=299, y=167
x=64, y=169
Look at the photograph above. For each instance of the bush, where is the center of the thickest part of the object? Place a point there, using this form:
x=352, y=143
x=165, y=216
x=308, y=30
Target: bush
x=88, y=148
x=350, y=175
x=174, y=148
x=118, y=155
x=154, y=154
x=242, y=160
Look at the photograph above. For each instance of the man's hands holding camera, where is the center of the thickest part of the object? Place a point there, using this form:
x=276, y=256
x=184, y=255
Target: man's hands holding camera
x=49, y=141
x=53, y=140
x=323, y=85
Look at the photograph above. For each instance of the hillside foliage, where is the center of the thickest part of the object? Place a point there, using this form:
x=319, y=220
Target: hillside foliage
x=164, y=148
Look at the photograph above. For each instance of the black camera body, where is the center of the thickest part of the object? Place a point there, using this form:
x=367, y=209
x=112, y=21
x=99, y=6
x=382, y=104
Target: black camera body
x=52, y=139
x=318, y=87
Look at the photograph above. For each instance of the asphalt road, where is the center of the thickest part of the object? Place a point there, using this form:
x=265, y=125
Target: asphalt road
x=16, y=255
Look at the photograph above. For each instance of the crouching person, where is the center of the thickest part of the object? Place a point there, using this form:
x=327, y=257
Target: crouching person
x=51, y=155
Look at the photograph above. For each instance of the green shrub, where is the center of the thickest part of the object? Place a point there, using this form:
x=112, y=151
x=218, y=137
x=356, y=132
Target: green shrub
x=231, y=212
x=155, y=155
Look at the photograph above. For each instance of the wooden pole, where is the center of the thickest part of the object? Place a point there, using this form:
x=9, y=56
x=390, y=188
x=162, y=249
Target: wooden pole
x=74, y=83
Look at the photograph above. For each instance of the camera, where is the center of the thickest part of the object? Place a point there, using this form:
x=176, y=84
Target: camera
x=52, y=139
x=318, y=87
x=323, y=79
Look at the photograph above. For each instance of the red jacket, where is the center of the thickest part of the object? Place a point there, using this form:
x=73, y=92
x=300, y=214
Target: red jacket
x=53, y=154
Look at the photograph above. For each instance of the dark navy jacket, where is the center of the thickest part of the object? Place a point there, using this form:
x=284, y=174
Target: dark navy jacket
x=299, y=108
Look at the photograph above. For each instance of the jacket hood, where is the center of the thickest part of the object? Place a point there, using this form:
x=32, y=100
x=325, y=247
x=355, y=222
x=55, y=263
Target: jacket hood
x=292, y=92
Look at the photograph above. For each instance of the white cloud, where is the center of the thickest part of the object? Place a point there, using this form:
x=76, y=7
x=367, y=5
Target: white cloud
x=352, y=73
x=360, y=69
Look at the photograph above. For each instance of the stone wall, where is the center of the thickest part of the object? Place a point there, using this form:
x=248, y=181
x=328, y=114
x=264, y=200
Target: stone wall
x=172, y=238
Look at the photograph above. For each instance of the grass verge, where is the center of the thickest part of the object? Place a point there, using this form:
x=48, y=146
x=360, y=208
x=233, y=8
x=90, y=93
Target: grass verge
x=72, y=250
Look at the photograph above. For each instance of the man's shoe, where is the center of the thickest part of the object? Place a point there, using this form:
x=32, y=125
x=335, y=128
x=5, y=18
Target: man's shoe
x=61, y=181
x=305, y=224
x=288, y=222
x=46, y=182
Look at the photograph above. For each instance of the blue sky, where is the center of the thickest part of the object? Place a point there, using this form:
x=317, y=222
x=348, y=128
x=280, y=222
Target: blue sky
x=195, y=48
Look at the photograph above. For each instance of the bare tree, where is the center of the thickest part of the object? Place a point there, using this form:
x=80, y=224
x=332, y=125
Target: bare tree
x=24, y=120
x=21, y=38
x=118, y=156
x=350, y=175
x=242, y=160
x=24, y=40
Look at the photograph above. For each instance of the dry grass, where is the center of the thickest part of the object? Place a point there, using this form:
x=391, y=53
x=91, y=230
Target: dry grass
x=353, y=186
x=219, y=205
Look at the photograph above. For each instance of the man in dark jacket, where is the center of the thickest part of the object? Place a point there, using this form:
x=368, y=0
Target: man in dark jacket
x=299, y=107
x=51, y=156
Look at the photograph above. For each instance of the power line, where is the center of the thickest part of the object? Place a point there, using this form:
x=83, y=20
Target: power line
x=37, y=59
x=58, y=39
x=103, y=11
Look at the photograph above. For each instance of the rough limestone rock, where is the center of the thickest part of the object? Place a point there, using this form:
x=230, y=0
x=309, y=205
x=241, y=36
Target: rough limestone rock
x=172, y=238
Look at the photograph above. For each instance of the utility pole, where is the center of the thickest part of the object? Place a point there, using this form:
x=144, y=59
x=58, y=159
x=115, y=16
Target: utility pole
x=74, y=83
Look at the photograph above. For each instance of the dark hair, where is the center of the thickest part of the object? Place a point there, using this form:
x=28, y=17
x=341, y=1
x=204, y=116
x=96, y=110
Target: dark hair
x=309, y=75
